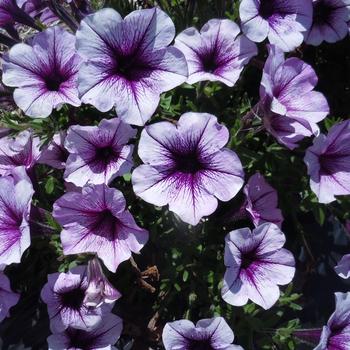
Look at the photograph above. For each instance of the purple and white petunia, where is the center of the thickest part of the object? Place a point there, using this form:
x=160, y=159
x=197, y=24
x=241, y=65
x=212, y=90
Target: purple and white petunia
x=261, y=201
x=290, y=107
x=44, y=73
x=7, y=297
x=64, y=295
x=328, y=163
x=256, y=265
x=343, y=267
x=16, y=193
x=216, y=53
x=99, y=289
x=102, y=337
x=97, y=221
x=330, y=19
x=187, y=166
x=98, y=154
x=282, y=22
x=128, y=62
x=336, y=335
x=212, y=333
x=54, y=154
x=23, y=150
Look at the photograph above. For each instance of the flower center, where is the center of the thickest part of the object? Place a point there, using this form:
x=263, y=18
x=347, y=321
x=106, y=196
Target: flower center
x=130, y=68
x=188, y=163
x=209, y=62
x=247, y=259
x=321, y=12
x=73, y=299
x=106, y=224
x=79, y=339
x=200, y=345
x=105, y=154
x=53, y=82
x=267, y=8
x=328, y=164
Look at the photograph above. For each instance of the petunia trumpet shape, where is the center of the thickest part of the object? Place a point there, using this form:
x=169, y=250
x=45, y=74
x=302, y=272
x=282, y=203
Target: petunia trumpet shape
x=22, y=150
x=102, y=337
x=328, y=163
x=261, y=201
x=187, y=166
x=96, y=221
x=216, y=53
x=16, y=193
x=343, y=267
x=64, y=295
x=329, y=24
x=128, y=62
x=282, y=22
x=98, y=154
x=44, y=73
x=7, y=297
x=54, y=154
x=336, y=334
x=256, y=265
x=289, y=106
x=212, y=333
x=99, y=289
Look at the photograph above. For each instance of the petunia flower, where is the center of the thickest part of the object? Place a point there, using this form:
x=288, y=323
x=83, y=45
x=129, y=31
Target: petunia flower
x=44, y=73
x=256, y=265
x=96, y=221
x=128, y=63
x=328, y=163
x=336, y=334
x=22, y=150
x=187, y=166
x=99, y=289
x=343, y=267
x=11, y=13
x=98, y=154
x=64, y=295
x=290, y=107
x=7, y=297
x=261, y=201
x=329, y=24
x=212, y=333
x=54, y=154
x=16, y=193
x=102, y=337
x=282, y=22
x=216, y=53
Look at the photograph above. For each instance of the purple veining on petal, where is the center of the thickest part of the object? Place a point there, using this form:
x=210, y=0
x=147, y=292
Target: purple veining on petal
x=96, y=221
x=103, y=336
x=328, y=163
x=261, y=203
x=16, y=193
x=64, y=295
x=207, y=334
x=98, y=154
x=128, y=62
x=282, y=22
x=44, y=73
x=256, y=264
x=336, y=334
x=216, y=53
x=21, y=150
x=187, y=166
x=330, y=19
x=289, y=105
